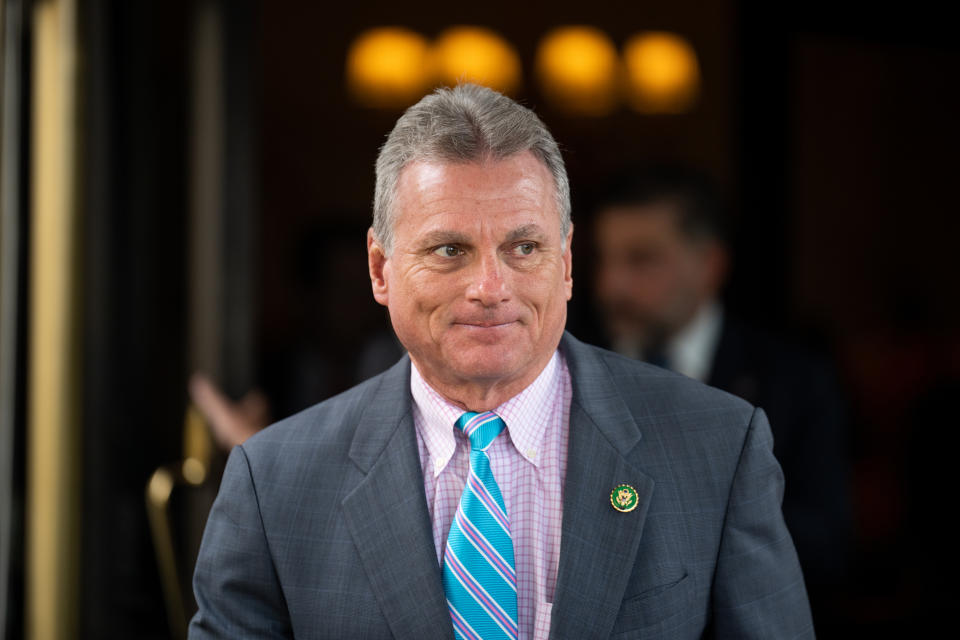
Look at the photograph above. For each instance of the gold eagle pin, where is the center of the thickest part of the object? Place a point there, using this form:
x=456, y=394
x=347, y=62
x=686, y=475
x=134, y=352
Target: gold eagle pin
x=624, y=498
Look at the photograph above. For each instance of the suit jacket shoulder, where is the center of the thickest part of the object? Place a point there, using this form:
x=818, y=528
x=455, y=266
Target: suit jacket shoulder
x=333, y=422
x=636, y=379
x=632, y=401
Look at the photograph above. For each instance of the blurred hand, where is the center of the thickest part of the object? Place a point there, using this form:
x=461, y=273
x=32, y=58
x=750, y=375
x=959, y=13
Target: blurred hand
x=232, y=422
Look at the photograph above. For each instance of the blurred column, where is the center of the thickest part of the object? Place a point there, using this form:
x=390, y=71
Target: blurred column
x=205, y=185
x=222, y=257
x=53, y=445
x=223, y=194
x=12, y=296
x=241, y=195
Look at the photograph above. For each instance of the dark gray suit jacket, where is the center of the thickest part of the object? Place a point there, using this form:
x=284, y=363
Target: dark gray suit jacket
x=321, y=528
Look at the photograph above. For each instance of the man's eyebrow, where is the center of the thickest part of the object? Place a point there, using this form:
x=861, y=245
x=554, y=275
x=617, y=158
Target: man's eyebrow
x=526, y=232
x=442, y=236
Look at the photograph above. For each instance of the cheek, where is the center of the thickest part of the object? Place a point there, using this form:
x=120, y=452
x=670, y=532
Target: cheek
x=613, y=279
x=549, y=299
x=690, y=276
x=431, y=303
x=672, y=276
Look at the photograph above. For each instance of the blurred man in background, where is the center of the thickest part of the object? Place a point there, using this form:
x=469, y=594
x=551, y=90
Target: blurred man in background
x=662, y=261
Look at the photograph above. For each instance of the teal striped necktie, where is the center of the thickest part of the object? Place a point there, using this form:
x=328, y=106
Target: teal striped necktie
x=479, y=575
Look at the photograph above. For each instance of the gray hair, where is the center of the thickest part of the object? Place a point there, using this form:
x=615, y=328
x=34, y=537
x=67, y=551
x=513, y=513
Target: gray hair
x=468, y=123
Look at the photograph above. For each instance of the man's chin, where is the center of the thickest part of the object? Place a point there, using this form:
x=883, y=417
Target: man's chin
x=486, y=363
x=627, y=334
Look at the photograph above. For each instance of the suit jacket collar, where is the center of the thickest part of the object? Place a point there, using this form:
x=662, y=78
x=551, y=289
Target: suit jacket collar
x=596, y=392
x=388, y=518
x=598, y=544
x=386, y=406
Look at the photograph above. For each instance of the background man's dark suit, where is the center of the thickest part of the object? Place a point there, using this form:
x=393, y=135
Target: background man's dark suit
x=321, y=528
x=800, y=393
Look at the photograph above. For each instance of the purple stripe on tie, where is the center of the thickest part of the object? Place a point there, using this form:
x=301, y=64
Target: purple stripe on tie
x=461, y=624
x=480, y=490
x=488, y=604
x=486, y=550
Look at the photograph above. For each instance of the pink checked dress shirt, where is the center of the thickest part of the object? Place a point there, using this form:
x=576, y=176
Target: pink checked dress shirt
x=528, y=460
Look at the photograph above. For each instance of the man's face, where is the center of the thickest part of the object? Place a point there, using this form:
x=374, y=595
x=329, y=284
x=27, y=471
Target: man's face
x=479, y=278
x=651, y=278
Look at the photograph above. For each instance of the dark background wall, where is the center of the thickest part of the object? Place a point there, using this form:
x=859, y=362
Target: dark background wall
x=135, y=292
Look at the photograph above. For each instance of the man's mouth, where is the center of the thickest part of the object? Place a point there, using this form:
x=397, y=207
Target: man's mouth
x=486, y=324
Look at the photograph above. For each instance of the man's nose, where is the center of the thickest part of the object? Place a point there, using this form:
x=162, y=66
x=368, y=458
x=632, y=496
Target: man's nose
x=488, y=284
x=609, y=280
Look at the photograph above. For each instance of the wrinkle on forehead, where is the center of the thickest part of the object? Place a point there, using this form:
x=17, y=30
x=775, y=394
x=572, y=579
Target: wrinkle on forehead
x=530, y=178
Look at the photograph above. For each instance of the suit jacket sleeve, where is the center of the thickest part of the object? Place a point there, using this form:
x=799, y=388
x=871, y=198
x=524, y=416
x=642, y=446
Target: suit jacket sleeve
x=758, y=589
x=235, y=582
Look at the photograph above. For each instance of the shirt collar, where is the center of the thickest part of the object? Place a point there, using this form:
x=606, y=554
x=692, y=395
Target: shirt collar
x=691, y=350
x=524, y=414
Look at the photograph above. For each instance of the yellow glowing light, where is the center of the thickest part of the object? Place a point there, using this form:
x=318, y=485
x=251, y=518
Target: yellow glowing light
x=475, y=54
x=578, y=69
x=193, y=471
x=663, y=74
x=388, y=67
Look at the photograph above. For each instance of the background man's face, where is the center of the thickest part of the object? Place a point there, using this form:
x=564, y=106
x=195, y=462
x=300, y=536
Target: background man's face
x=478, y=282
x=650, y=278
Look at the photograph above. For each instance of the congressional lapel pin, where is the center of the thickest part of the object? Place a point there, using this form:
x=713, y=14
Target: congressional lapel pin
x=624, y=498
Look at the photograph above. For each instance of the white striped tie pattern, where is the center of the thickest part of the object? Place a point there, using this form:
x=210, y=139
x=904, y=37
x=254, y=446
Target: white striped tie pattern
x=479, y=575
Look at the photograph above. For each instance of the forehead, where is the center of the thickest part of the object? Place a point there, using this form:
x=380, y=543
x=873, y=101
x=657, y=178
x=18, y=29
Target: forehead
x=493, y=191
x=635, y=221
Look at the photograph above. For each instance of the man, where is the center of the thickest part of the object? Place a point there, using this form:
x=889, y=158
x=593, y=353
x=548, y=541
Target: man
x=662, y=261
x=504, y=479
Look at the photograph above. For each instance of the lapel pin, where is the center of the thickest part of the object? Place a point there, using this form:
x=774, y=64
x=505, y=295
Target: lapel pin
x=624, y=498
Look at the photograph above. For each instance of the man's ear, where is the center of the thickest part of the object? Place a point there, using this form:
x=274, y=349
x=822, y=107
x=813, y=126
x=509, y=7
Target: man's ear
x=717, y=267
x=377, y=262
x=713, y=263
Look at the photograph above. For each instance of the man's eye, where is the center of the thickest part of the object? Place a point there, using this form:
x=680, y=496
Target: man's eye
x=447, y=251
x=525, y=248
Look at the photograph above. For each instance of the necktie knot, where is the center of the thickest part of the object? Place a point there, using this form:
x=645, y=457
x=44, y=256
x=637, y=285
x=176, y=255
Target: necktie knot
x=481, y=428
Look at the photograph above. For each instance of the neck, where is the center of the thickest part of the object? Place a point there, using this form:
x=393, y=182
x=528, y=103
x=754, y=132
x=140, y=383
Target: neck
x=482, y=395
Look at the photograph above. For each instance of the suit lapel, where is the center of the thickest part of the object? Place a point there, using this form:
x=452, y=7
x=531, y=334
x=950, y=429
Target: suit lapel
x=387, y=515
x=598, y=544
